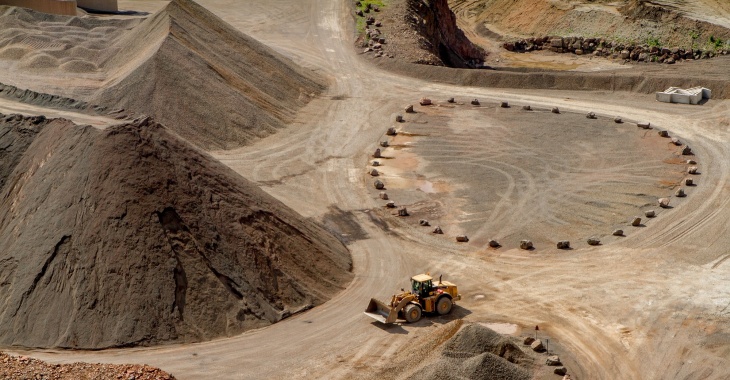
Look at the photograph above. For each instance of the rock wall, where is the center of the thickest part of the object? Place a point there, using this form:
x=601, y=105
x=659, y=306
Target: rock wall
x=436, y=23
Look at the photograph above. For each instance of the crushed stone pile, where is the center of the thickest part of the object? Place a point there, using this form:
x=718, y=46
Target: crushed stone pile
x=213, y=85
x=25, y=368
x=477, y=352
x=131, y=236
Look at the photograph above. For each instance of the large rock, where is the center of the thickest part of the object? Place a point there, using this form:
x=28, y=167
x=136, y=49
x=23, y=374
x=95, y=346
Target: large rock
x=663, y=202
x=686, y=150
x=563, y=244
x=379, y=184
x=680, y=193
x=537, y=346
x=553, y=360
x=475, y=102
x=526, y=244
x=409, y=108
x=462, y=238
x=650, y=213
x=493, y=243
x=618, y=232
x=425, y=102
x=555, y=110
x=594, y=241
x=636, y=222
x=692, y=170
x=560, y=371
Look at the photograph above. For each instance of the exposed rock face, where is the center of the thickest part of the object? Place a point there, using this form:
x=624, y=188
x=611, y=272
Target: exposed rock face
x=436, y=24
x=129, y=236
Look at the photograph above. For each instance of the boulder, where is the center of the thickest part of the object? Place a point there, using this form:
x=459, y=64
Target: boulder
x=438, y=230
x=527, y=108
x=563, y=244
x=384, y=144
x=378, y=23
x=379, y=184
x=578, y=51
x=424, y=222
x=493, y=243
x=650, y=213
x=663, y=202
x=617, y=120
x=692, y=170
x=376, y=163
x=561, y=371
x=624, y=54
x=462, y=238
x=391, y=132
x=359, y=13
x=618, y=232
x=644, y=125
x=686, y=151
x=528, y=340
x=398, y=118
x=680, y=193
x=384, y=196
x=537, y=346
x=594, y=241
x=390, y=204
x=636, y=222
x=504, y=105
x=409, y=108
x=691, y=162
x=377, y=153
x=663, y=133
x=451, y=100
x=553, y=360
x=591, y=115
x=555, y=110
x=689, y=182
x=475, y=102
x=403, y=211
x=526, y=244
x=425, y=102
x=676, y=141
x=374, y=173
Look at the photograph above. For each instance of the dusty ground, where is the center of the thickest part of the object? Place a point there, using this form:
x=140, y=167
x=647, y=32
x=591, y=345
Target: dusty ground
x=653, y=305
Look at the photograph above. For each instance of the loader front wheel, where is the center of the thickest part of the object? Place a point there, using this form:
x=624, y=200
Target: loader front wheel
x=443, y=305
x=412, y=313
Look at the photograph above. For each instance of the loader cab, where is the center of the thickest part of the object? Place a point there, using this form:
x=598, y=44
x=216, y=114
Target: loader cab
x=422, y=285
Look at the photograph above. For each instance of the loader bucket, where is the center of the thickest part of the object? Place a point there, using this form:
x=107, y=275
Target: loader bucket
x=381, y=312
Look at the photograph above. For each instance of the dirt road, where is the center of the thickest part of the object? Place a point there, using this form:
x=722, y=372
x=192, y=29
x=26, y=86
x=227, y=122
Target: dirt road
x=654, y=305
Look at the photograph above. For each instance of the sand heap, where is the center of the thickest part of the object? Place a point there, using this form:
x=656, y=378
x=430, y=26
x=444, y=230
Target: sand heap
x=213, y=85
x=477, y=352
x=129, y=236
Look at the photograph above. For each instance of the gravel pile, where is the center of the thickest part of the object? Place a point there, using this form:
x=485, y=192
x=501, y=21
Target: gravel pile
x=25, y=368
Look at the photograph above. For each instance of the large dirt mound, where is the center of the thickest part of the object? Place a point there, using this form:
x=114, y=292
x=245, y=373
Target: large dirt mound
x=213, y=85
x=129, y=236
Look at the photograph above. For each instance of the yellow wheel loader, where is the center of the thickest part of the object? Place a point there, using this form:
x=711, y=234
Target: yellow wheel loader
x=425, y=296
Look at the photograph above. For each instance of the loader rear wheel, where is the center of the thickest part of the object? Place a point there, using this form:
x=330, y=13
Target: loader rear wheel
x=443, y=305
x=412, y=313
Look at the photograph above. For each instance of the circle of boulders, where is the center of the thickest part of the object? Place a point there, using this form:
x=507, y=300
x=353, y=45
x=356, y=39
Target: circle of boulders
x=526, y=244
x=593, y=241
x=618, y=232
x=563, y=244
x=555, y=110
x=379, y=184
x=462, y=238
x=650, y=213
x=663, y=202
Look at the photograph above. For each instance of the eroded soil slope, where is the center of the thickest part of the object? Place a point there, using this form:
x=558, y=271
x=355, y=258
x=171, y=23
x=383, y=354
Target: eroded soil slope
x=129, y=236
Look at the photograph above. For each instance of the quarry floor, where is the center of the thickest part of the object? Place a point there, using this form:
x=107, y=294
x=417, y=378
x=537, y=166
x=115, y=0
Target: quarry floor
x=652, y=305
